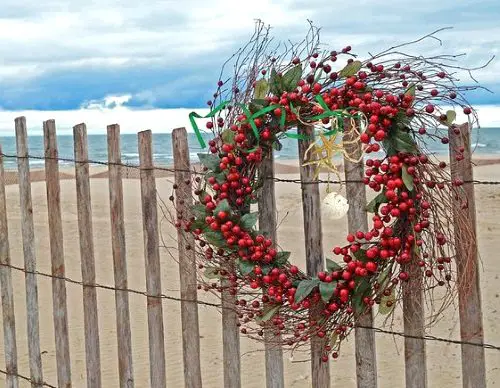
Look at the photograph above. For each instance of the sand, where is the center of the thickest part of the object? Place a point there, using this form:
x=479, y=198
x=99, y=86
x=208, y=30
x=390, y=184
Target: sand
x=444, y=363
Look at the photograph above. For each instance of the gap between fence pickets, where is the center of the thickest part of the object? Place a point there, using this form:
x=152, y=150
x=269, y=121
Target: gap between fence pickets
x=118, y=245
x=469, y=293
x=152, y=258
x=311, y=206
x=267, y=225
x=28, y=237
x=187, y=262
x=84, y=209
x=8, y=315
x=60, y=311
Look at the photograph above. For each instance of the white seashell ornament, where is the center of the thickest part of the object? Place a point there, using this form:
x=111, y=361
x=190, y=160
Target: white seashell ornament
x=335, y=206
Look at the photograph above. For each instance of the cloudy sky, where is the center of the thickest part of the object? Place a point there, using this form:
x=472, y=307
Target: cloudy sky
x=138, y=62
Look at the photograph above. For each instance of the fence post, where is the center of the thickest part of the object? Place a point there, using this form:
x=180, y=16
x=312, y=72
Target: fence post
x=311, y=206
x=8, y=316
x=366, y=356
x=187, y=263
x=152, y=257
x=84, y=208
x=413, y=322
x=60, y=310
x=125, y=368
x=469, y=293
x=230, y=338
x=267, y=224
x=28, y=233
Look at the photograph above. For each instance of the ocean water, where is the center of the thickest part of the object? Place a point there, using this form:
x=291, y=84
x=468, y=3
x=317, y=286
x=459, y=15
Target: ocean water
x=485, y=141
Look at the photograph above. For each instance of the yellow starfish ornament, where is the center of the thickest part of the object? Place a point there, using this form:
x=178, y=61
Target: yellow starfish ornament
x=324, y=148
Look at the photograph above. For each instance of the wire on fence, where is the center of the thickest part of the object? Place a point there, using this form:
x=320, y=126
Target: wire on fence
x=219, y=306
x=111, y=288
x=33, y=383
x=199, y=173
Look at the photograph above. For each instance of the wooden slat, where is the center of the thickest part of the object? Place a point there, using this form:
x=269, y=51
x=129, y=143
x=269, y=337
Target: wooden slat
x=60, y=311
x=84, y=208
x=469, y=294
x=230, y=339
x=28, y=235
x=118, y=245
x=187, y=263
x=311, y=206
x=8, y=316
x=152, y=257
x=413, y=321
x=267, y=224
x=366, y=357
x=414, y=326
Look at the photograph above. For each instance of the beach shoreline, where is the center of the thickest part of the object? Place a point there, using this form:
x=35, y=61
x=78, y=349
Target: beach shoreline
x=281, y=167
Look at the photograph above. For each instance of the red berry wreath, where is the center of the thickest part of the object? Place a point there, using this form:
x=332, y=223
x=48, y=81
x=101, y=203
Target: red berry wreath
x=396, y=102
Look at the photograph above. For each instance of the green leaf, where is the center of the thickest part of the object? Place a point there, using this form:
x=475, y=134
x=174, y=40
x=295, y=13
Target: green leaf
x=292, y=77
x=411, y=90
x=326, y=290
x=403, y=142
x=276, y=84
x=277, y=145
x=268, y=312
x=222, y=206
x=383, y=309
x=246, y=266
x=361, y=255
x=333, y=339
x=199, y=211
x=228, y=136
x=304, y=288
x=214, y=238
x=211, y=161
x=281, y=258
x=249, y=220
x=261, y=89
x=266, y=268
x=384, y=278
x=374, y=204
x=332, y=266
x=388, y=145
x=199, y=224
x=257, y=104
x=451, y=115
x=350, y=69
x=407, y=178
x=360, y=292
x=212, y=273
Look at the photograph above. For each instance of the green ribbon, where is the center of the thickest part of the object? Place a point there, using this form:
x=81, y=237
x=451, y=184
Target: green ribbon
x=212, y=113
x=248, y=114
x=340, y=114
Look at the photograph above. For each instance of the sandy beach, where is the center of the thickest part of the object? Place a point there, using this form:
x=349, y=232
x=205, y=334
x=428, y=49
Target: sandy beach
x=443, y=360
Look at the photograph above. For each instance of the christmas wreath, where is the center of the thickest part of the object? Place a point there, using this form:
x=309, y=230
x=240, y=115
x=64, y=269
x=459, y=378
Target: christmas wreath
x=392, y=103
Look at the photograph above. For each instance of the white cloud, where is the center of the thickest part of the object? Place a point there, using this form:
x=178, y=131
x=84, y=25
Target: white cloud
x=97, y=117
x=98, y=114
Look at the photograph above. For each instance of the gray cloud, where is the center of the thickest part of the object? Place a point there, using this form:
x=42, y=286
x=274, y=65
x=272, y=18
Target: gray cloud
x=43, y=38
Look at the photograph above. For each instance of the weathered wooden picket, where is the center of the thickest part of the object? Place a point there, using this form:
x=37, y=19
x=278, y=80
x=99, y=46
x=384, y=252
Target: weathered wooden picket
x=366, y=361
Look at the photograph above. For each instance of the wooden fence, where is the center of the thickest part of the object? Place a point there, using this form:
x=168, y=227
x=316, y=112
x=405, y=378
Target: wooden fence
x=473, y=368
